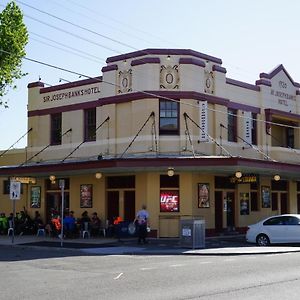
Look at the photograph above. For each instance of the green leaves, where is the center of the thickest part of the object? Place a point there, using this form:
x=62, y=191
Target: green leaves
x=13, y=39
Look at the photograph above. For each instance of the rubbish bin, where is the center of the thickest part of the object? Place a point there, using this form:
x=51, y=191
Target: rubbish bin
x=192, y=233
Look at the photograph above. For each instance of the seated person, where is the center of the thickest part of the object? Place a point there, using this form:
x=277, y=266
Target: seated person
x=85, y=219
x=70, y=224
x=3, y=223
x=56, y=225
x=95, y=224
x=38, y=223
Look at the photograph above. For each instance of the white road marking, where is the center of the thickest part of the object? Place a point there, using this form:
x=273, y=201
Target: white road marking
x=145, y=269
x=119, y=276
x=177, y=265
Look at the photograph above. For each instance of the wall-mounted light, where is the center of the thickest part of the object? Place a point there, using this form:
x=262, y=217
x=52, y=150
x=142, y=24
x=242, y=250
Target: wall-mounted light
x=238, y=174
x=171, y=172
x=168, y=57
x=98, y=175
x=276, y=177
x=52, y=178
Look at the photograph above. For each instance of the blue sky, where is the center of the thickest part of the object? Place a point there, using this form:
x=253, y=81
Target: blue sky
x=249, y=36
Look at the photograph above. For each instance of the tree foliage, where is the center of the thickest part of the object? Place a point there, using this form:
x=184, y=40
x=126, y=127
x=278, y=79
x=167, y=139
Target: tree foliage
x=13, y=39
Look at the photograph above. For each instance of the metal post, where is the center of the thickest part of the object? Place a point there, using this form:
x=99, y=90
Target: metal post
x=62, y=187
x=13, y=222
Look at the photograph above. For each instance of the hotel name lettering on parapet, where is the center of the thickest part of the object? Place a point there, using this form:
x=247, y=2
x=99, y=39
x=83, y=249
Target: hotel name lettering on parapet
x=282, y=95
x=71, y=94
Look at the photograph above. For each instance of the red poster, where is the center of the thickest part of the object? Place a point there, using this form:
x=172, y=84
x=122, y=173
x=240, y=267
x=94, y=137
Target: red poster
x=169, y=201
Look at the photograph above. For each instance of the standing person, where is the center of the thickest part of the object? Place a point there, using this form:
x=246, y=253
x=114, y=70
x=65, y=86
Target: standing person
x=142, y=220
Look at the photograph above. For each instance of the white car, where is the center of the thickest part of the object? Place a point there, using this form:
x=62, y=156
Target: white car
x=274, y=230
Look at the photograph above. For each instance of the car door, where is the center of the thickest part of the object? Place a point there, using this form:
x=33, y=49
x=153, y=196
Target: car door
x=276, y=229
x=292, y=230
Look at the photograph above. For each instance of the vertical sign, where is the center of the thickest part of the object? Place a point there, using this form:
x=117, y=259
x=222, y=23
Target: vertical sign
x=15, y=190
x=248, y=127
x=203, y=121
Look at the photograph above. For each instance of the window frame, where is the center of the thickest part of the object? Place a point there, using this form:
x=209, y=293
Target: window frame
x=90, y=120
x=232, y=125
x=163, y=131
x=56, y=129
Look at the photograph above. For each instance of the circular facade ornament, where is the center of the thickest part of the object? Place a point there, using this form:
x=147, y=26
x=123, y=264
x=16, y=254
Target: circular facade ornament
x=169, y=78
x=125, y=82
x=208, y=83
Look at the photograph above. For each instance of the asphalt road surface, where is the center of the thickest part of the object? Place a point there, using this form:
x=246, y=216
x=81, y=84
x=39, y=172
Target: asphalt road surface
x=28, y=273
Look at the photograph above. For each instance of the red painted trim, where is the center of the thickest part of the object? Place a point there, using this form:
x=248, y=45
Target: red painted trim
x=191, y=61
x=133, y=164
x=220, y=69
x=163, y=52
x=244, y=107
x=70, y=85
x=270, y=111
x=146, y=95
x=243, y=84
x=146, y=60
x=35, y=84
x=109, y=68
x=263, y=82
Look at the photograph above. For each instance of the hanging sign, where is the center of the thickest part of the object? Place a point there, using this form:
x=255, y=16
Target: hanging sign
x=15, y=190
x=203, y=121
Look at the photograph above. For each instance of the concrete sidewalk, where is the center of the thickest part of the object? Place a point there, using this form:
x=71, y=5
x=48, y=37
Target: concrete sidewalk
x=221, y=245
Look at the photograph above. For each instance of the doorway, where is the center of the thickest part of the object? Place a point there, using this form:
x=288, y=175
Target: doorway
x=230, y=211
x=53, y=204
x=283, y=203
x=121, y=203
x=218, y=211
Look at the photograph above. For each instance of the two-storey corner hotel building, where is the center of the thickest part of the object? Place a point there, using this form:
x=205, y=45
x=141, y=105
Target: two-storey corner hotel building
x=166, y=128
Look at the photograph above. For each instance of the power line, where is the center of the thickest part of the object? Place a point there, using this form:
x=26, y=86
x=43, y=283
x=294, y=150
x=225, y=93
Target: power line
x=78, y=26
x=65, y=50
x=72, y=34
x=68, y=47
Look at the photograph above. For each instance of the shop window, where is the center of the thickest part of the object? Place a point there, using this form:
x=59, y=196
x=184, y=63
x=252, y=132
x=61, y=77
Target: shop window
x=120, y=182
x=254, y=129
x=54, y=185
x=223, y=183
x=254, y=201
x=169, y=193
x=232, y=125
x=168, y=117
x=56, y=129
x=281, y=185
x=274, y=201
x=90, y=125
x=6, y=187
x=290, y=137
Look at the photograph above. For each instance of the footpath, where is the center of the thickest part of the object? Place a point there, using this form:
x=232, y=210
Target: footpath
x=221, y=245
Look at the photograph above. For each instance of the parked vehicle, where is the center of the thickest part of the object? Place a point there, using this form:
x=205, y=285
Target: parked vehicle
x=275, y=230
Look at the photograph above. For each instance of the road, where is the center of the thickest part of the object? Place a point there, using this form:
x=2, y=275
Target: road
x=28, y=273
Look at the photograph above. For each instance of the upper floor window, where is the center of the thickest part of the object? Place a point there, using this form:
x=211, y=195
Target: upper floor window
x=254, y=129
x=290, y=137
x=90, y=125
x=232, y=125
x=168, y=117
x=55, y=136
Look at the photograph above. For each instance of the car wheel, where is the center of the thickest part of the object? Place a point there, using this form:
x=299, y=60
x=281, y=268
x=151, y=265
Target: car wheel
x=262, y=240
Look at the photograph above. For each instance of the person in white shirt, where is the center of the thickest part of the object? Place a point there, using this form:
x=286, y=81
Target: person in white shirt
x=142, y=221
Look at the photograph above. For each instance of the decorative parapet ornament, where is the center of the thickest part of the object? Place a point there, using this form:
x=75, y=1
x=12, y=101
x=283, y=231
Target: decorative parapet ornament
x=169, y=77
x=209, y=82
x=124, y=82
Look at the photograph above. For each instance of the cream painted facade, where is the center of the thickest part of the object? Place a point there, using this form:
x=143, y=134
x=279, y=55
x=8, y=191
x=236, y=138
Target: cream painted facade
x=130, y=141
